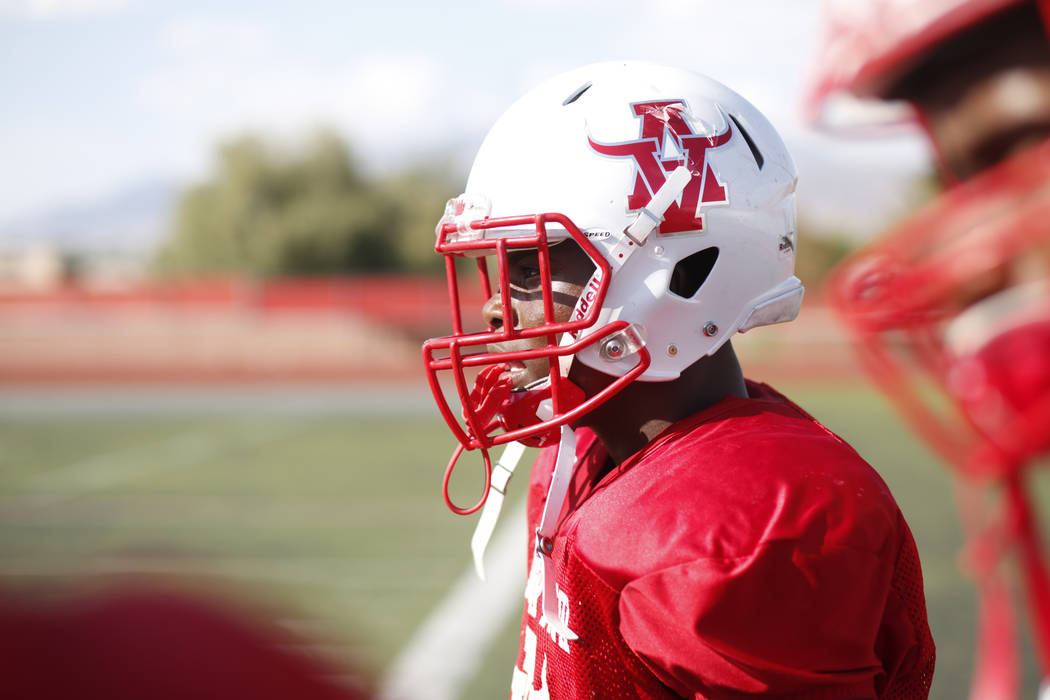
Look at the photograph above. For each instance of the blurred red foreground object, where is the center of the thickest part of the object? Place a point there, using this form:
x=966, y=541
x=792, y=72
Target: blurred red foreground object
x=150, y=645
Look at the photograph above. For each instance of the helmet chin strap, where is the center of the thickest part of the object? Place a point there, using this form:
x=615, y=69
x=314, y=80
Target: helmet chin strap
x=652, y=214
x=559, y=487
x=501, y=475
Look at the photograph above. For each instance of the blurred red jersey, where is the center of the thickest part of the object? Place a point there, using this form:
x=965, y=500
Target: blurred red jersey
x=745, y=551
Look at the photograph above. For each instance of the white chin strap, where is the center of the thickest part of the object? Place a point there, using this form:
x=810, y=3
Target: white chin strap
x=548, y=526
x=501, y=474
x=652, y=214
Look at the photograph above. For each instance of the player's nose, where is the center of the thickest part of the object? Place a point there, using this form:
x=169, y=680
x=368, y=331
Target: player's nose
x=492, y=313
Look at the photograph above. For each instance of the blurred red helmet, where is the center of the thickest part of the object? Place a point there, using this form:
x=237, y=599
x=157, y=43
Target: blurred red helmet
x=867, y=46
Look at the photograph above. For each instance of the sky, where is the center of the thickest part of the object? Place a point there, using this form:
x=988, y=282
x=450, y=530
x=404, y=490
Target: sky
x=100, y=95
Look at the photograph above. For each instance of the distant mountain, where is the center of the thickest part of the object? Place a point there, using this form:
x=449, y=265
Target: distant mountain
x=132, y=223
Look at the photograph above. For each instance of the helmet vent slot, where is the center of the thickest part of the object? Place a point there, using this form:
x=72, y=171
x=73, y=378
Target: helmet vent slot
x=576, y=94
x=759, y=159
x=691, y=272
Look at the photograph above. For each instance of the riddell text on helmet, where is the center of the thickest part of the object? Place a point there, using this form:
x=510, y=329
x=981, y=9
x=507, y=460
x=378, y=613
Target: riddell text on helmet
x=587, y=297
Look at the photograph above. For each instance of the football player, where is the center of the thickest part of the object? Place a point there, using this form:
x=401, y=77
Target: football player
x=951, y=309
x=695, y=534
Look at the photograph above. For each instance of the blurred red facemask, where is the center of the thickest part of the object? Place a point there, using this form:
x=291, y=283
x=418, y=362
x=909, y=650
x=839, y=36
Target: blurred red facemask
x=901, y=298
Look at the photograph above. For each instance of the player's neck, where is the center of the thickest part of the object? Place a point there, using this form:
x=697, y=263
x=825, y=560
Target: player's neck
x=643, y=410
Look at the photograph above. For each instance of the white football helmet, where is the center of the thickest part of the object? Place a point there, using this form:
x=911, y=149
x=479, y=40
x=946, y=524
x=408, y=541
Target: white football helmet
x=647, y=168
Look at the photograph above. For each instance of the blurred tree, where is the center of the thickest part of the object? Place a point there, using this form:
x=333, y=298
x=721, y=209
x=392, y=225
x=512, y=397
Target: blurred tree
x=420, y=195
x=271, y=211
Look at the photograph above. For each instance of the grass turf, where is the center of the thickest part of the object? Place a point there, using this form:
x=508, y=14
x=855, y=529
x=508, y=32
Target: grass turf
x=335, y=523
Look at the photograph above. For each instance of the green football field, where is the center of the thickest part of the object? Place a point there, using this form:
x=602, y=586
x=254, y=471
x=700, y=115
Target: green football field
x=329, y=516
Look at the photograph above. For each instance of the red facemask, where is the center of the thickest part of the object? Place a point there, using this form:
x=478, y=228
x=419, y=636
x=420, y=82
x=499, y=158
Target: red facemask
x=492, y=412
x=901, y=296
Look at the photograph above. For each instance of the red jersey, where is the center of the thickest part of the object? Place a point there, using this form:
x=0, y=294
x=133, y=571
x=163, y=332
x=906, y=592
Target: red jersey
x=747, y=550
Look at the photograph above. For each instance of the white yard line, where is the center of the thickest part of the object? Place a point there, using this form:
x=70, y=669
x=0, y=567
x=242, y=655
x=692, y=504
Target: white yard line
x=449, y=646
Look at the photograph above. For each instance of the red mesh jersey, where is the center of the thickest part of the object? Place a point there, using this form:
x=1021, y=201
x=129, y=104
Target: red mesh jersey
x=746, y=551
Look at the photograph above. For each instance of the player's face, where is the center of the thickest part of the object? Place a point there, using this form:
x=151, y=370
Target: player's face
x=988, y=98
x=570, y=271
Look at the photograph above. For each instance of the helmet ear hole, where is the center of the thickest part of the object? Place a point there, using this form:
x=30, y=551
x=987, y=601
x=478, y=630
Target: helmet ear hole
x=691, y=272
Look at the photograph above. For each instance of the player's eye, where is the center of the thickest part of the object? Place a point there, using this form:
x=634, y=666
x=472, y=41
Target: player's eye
x=525, y=273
